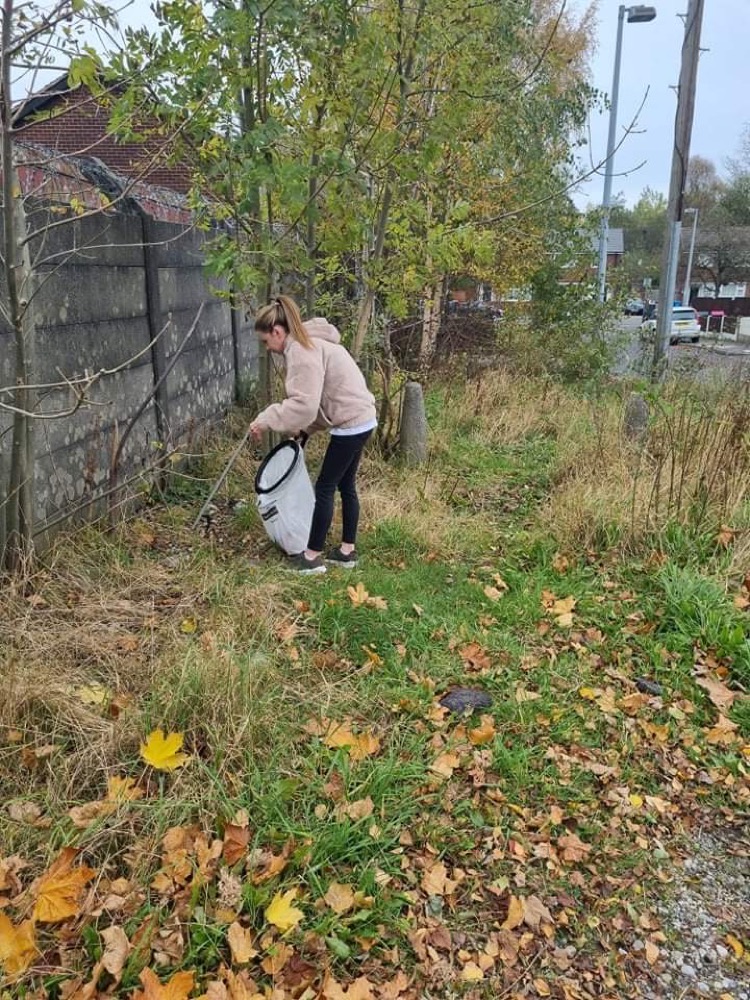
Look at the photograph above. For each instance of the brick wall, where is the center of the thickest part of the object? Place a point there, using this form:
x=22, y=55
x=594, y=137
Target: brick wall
x=76, y=124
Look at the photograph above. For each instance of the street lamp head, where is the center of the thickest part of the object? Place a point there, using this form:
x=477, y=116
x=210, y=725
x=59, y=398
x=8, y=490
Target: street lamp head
x=640, y=13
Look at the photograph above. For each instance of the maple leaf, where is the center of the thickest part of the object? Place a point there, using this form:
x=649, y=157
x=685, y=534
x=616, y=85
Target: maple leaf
x=484, y=733
x=535, y=912
x=723, y=733
x=163, y=752
x=236, y=839
x=719, y=693
x=471, y=973
x=515, y=914
x=360, y=809
x=736, y=945
x=116, y=951
x=475, y=657
x=522, y=694
x=562, y=611
x=494, y=594
x=83, y=816
x=572, y=847
x=360, y=989
x=17, y=946
x=59, y=890
x=93, y=694
x=281, y=913
x=359, y=745
x=240, y=941
x=434, y=879
x=179, y=986
x=123, y=790
x=339, y=897
x=357, y=595
x=445, y=764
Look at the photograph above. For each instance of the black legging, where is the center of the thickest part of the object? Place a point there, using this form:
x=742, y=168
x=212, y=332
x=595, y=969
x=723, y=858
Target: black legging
x=339, y=469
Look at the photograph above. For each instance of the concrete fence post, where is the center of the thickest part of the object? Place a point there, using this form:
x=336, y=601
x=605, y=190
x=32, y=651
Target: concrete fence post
x=635, y=418
x=413, y=437
x=155, y=324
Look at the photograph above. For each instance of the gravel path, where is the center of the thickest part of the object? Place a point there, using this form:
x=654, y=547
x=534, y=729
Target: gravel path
x=708, y=900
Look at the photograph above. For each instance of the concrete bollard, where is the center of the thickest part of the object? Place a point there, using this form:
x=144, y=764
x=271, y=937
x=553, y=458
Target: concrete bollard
x=413, y=438
x=635, y=419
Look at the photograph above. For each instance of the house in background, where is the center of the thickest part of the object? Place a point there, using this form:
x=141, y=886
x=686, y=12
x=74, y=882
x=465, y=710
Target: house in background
x=75, y=122
x=720, y=273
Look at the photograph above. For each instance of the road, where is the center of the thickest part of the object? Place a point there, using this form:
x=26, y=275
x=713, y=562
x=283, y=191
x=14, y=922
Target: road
x=702, y=360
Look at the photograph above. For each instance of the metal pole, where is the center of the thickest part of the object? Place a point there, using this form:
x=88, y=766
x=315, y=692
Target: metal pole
x=683, y=129
x=608, y=166
x=686, y=290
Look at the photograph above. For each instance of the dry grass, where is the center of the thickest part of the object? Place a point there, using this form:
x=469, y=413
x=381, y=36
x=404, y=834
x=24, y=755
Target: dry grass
x=693, y=468
x=97, y=650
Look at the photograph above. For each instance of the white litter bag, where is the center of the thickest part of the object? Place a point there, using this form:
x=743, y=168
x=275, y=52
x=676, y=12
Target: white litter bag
x=285, y=497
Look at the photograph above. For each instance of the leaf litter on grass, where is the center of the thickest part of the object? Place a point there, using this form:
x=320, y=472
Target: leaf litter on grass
x=395, y=850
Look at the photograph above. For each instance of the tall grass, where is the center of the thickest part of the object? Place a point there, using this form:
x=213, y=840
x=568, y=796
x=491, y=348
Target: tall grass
x=689, y=474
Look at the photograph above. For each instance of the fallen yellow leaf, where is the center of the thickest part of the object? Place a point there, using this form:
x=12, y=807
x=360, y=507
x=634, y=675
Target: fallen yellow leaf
x=116, y=951
x=736, y=945
x=445, y=764
x=162, y=752
x=123, y=790
x=281, y=913
x=179, y=986
x=240, y=941
x=59, y=890
x=359, y=745
x=339, y=897
x=357, y=595
x=434, y=879
x=188, y=626
x=494, y=594
x=93, y=694
x=484, y=733
x=515, y=914
x=719, y=693
x=652, y=952
x=471, y=973
x=17, y=946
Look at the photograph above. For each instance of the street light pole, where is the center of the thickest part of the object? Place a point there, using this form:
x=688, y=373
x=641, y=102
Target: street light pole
x=688, y=272
x=636, y=14
x=608, y=165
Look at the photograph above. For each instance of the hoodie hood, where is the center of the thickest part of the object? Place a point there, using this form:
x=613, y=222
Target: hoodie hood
x=321, y=329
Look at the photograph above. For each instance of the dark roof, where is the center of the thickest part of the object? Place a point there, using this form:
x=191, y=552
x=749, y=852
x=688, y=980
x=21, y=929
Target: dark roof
x=615, y=240
x=46, y=97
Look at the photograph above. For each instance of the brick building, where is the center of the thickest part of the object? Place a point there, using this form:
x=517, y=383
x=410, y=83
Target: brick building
x=75, y=122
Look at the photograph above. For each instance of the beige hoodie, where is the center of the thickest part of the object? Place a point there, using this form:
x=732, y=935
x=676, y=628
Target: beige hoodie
x=324, y=386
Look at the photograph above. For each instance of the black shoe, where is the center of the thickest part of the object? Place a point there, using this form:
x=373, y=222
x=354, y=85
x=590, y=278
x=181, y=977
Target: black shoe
x=301, y=564
x=337, y=558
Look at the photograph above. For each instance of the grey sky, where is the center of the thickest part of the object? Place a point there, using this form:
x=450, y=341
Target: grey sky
x=651, y=59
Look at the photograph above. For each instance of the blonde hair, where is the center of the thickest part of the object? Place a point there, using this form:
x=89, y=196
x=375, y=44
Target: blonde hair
x=284, y=312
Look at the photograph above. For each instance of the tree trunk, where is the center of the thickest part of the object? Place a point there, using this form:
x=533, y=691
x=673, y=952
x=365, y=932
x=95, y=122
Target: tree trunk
x=18, y=273
x=368, y=301
x=432, y=297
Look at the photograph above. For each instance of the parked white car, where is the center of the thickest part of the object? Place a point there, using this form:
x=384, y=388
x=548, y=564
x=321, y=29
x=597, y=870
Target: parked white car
x=685, y=326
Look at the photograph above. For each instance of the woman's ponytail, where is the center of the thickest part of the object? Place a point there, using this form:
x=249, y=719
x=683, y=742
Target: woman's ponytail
x=284, y=312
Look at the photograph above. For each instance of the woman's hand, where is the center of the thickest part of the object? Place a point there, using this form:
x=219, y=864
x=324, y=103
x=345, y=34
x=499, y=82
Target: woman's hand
x=256, y=431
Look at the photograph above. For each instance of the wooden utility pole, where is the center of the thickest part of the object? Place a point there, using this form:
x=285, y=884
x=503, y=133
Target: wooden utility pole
x=683, y=128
